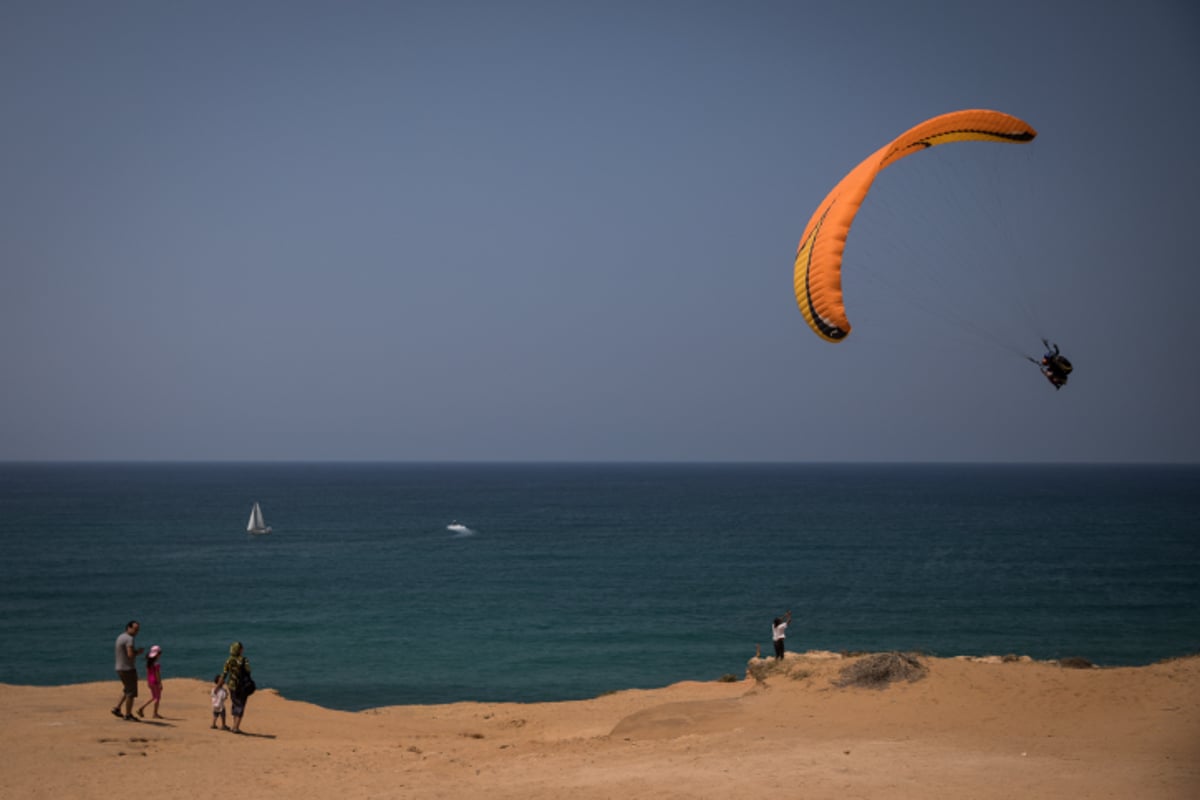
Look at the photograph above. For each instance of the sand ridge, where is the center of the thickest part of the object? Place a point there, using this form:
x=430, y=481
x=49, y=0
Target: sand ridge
x=966, y=729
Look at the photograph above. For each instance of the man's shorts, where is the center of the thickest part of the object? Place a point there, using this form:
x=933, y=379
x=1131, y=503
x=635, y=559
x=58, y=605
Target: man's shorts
x=129, y=681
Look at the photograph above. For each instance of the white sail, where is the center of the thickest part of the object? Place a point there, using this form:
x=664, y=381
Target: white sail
x=256, y=523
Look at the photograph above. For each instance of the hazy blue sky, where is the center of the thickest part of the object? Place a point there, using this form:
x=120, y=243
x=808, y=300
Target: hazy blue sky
x=565, y=230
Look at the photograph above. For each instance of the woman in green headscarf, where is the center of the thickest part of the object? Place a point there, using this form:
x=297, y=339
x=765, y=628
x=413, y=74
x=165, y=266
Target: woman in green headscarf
x=237, y=674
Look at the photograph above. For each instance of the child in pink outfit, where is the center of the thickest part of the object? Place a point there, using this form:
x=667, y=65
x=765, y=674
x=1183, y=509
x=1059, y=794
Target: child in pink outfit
x=153, y=681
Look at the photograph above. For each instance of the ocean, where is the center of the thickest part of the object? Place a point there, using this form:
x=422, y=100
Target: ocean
x=385, y=584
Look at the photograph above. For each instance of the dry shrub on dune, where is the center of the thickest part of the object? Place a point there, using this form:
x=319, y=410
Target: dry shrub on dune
x=1075, y=662
x=881, y=669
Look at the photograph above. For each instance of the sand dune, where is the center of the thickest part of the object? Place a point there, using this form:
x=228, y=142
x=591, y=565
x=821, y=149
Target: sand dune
x=966, y=730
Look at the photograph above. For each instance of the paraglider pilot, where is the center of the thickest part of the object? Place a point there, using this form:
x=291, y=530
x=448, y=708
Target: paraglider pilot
x=1054, y=365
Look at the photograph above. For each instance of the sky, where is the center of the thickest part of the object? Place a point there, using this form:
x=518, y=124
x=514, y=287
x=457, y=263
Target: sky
x=564, y=231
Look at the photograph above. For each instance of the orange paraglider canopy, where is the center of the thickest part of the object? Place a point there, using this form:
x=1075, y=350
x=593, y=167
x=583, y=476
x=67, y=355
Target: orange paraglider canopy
x=818, y=270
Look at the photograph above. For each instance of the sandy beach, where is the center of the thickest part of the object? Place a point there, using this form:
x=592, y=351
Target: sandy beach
x=967, y=728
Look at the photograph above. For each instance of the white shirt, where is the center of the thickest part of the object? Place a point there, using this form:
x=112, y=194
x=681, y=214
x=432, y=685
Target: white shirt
x=778, y=631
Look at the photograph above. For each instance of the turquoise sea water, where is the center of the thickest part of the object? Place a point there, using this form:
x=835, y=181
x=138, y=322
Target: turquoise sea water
x=566, y=581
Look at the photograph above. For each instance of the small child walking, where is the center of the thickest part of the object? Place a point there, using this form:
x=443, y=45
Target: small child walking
x=153, y=680
x=219, y=693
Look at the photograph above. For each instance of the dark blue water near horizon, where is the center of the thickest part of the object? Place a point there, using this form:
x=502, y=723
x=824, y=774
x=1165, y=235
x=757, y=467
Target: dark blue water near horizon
x=425, y=583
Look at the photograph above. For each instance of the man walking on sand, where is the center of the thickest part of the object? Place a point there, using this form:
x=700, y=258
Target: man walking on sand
x=127, y=670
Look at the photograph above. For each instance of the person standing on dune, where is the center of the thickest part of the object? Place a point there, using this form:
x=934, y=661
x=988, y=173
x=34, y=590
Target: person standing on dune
x=153, y=681
x=237, y=678
x=779, y=633
x=127, y=670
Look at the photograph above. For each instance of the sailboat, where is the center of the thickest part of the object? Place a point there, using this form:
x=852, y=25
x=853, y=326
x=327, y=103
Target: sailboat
x=256, y=524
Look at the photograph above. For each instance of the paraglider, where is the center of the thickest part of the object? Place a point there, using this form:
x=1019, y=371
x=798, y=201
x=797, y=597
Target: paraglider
x=1054, y=365
x=817, y=276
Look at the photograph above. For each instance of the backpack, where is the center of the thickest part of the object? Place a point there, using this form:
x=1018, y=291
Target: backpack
x=246, y=685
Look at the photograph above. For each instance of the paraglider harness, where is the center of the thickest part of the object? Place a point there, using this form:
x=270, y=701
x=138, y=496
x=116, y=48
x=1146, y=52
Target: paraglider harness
x=1055, y=366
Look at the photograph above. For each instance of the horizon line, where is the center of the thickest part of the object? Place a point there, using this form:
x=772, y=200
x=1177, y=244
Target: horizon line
x=583, y=462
